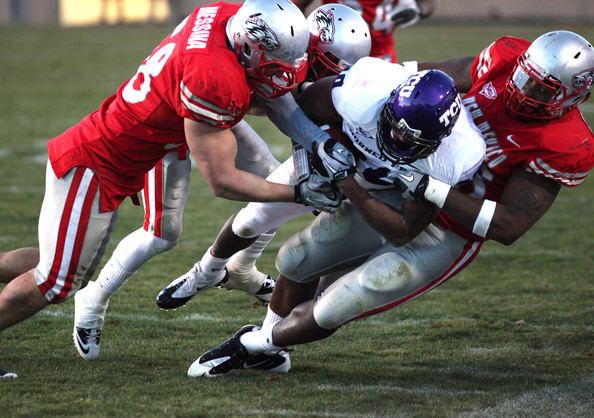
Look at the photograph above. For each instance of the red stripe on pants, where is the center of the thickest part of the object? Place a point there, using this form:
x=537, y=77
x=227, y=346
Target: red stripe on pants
x=79, y=240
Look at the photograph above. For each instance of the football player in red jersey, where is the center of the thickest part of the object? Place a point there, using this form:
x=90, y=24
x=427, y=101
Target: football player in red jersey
x=524, y=98
x=339, y=38
x=191, y=90
x=383, y=17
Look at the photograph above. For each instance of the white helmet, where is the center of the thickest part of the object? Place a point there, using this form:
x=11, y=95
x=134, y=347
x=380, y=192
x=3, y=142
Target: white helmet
x=270, y=39
x=338, y=38
x=553, y=76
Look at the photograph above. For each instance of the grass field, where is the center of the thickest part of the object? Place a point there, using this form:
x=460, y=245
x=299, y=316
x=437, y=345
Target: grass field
x=513, y=335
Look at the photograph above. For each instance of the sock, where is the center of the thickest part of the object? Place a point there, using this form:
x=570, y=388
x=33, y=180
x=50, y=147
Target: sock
x=271, y=318
x=111, y=278
x=245, y=260
x=211, y=265
x=260, y=341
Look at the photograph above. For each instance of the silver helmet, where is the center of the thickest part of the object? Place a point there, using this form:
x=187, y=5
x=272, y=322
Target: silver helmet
x=553, y=76
x=270, y=38
x=338, y=38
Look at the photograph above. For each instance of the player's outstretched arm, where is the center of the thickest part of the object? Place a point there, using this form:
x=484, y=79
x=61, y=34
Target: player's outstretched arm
x=457, y=68
x=316, y=102
x=214, y=151
x=526, y=198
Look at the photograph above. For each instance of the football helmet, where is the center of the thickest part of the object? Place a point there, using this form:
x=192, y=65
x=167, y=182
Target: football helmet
x=338, y=38
x=419, y=113
x=553, y=76
x=270, y=38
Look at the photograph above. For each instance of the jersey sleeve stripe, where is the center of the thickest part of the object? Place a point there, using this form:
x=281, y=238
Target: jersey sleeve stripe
x=203, y=103
x=539, y=167
x=550, y=169
x=201, y=113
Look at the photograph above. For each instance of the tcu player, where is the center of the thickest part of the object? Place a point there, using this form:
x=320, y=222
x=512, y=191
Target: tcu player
x=332, y=46
x=383, y=17
x=339, y=37
x=396, y=123
x=191, y=90
x=524, y=97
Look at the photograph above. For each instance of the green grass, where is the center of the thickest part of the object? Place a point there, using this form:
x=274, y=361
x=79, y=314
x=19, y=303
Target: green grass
x=512, y=335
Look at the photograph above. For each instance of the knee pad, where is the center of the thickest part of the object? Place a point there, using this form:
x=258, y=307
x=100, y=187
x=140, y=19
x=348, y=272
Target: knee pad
x=138, y=247
x=331, y=241
x=387, y=272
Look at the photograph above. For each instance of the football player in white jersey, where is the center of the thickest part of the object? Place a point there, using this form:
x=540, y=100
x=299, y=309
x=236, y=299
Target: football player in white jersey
x=397, y=122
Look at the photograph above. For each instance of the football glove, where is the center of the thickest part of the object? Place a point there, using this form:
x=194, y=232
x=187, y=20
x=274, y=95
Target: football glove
x=333, y=160
x=406, y=13
x=411, y=183
x=317, y=192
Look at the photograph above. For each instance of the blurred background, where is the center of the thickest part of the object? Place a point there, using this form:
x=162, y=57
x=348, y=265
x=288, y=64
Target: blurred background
x=114, y=12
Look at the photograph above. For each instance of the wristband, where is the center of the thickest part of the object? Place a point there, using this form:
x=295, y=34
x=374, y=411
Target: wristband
x=412, y=66
x=483, y=219
x=436, y=192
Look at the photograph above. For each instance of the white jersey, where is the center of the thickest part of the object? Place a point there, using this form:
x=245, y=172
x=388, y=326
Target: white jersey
x=359, y=98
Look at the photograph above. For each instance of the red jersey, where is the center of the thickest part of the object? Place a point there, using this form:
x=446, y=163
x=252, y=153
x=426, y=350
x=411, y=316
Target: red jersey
x=378, y=15
x=191, y=74
x=560, y=149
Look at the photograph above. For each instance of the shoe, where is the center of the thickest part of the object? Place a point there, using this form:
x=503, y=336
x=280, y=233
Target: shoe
x=5, y=374
x=265, y=292
x=252, y=281
x=89, y=317
x=223, y=359
x=278, y=362
x=181, y=290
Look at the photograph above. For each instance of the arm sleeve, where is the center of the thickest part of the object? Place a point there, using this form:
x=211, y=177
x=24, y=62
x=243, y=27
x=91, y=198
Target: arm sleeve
x=215, y=98
x=286, y=114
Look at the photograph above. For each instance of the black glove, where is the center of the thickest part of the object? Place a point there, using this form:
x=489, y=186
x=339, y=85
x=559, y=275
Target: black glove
x=333, y=160
x=318, y=193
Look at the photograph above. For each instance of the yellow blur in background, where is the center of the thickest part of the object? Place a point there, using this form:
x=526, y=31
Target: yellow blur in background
x=112, y=12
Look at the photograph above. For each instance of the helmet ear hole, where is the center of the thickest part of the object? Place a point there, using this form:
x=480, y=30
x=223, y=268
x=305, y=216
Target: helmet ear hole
x=247, y=51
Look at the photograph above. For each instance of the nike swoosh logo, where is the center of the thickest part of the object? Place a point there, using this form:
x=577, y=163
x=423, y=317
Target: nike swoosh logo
x=83, y=347
x=405, y=177
x=511, y=139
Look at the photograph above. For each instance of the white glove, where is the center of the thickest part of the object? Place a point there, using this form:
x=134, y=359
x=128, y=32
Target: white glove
x=406, y=13
x=411, y=183
x=333, y=160
x=316, y=192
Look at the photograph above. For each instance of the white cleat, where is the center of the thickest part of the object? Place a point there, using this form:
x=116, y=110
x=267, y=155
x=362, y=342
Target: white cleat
x=181, y=290
x=251, y=281
x=5, y=374
x=89, y=317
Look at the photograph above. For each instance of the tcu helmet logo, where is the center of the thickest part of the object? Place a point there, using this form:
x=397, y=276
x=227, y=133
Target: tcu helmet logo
x=325, y=24
x=258, y=31
x=409, y=87
x=449, y=114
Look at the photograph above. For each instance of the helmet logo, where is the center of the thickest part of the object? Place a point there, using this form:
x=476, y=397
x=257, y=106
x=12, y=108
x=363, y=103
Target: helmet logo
x=325, y=24
x=258, y=31
x=449, y=115
x=409, y=87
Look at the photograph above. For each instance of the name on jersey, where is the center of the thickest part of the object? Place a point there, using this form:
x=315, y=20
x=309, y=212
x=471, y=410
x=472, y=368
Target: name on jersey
x=202, y=26
x=494, y=153
x=361, y=138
